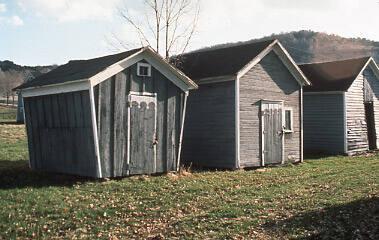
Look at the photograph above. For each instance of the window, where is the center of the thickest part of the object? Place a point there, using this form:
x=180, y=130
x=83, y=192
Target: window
x=288, y=124
x=143, y=70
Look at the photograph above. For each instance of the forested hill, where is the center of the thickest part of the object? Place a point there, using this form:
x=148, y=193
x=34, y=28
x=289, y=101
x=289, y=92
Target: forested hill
x=304, y=46
x=309, y=46
x=12, y=75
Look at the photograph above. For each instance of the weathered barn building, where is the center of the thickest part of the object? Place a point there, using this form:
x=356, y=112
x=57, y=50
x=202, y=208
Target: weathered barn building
x=111, y=116
x=341, y=108
x=247, y=111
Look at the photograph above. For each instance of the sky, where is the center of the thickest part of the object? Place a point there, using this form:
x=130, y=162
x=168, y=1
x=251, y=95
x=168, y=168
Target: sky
x=44, y=32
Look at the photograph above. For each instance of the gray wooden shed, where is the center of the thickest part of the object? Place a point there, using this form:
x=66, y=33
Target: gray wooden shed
x=112, y=116
x=247, y=111
x=341, y=108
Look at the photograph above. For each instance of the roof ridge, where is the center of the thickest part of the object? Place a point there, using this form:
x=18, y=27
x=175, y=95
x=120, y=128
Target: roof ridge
x=336, y=61
x=82, y=60
x=226, y=46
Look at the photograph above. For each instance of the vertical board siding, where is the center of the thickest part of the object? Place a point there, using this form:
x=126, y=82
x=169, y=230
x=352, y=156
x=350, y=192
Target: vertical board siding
x=357, y=139
x=373, y=82
x=268, y=80
x=324, y=124
x=112, y=117
x=60, y=133
x=209, y=132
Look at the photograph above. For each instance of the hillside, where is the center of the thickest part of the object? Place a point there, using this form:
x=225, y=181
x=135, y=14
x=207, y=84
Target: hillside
x=309, y=46
x=304, y=46
x=12, y=75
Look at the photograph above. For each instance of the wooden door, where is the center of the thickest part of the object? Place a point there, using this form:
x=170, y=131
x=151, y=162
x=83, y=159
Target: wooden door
x=142, y=130
x=370, y=119
x=272, y=132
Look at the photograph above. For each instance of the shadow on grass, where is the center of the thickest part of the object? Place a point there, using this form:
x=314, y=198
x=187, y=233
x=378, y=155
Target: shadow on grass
x=319, y=156
x=17, y=174
x=356, y=220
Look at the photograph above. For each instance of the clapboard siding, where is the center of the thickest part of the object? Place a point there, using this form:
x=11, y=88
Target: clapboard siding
x=209, y=133
x=111, y=108
x=60, y=135
x=269, y=80
x=357, y=139
x=324, y=124
x=373, y=82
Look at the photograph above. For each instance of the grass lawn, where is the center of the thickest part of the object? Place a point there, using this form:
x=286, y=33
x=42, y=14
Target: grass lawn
x=8, y=114
x=333, y=198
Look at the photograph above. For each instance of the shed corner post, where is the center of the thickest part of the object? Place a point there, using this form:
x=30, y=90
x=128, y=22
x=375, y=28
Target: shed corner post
x=301, y=124
x=94, y=128
x=345, y=142
x=237, y=121
x=186, y=94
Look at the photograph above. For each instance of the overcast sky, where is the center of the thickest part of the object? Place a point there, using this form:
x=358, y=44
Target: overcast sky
x=41, y=32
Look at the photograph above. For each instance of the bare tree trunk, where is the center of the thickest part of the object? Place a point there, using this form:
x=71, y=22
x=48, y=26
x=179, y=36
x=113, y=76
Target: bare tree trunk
x=167, y=30
x=177, y=26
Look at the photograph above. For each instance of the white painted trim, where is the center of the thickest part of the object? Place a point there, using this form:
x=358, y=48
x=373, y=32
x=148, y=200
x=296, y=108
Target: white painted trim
x=226, y=78
x=56, y=89
x=237, y=123
x=301, y=124
x=345, y=124
x=116, y=68
x=290, y=63
x=284, y=121
x=172, y=73
x=94, y=129
x=169, y=73
x=143, y=94
x=283, y=56
x=128, y=134
x=190, y=84
x=256, y=60
x=148, y=66
x=182, y=130
x=324, y=93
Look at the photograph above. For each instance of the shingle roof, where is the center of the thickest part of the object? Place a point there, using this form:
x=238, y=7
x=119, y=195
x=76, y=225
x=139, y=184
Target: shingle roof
x=77, y=70
x=219, y=62
x=333, y=76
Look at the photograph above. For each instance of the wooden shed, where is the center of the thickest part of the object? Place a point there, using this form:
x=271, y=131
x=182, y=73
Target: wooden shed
x=341, y=108
x=111, y=116
x=247, y=111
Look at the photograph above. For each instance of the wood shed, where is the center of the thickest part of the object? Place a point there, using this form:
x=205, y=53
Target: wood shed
x=341, y=108
x=111, y=116
x=247, y=111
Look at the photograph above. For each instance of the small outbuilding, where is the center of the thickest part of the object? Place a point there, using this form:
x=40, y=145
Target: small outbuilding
x=247, y=111
x=341, y=108
x=111, y=116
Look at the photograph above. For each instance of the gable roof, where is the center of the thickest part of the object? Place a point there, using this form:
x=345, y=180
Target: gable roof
x=80, y=70
x=333, y=76
x=219, y=62
x=77, y=70
x=234, y=60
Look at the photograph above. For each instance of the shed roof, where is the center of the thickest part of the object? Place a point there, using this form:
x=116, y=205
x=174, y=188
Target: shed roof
x=217, y=62
x=77, y=70
x=333, y=76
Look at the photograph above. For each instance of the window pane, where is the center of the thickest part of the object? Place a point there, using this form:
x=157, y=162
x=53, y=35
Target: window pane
x=288, y=119
x=144, y=71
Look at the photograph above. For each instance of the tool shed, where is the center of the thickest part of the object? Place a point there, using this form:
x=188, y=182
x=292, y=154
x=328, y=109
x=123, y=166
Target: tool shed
x=111, y=116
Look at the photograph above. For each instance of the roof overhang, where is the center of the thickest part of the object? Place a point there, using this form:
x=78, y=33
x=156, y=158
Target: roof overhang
x=146, y=53
x=284, y=56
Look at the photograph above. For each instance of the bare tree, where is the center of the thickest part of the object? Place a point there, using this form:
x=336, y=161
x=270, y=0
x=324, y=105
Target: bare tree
x=167, y=24
x=8, y=81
